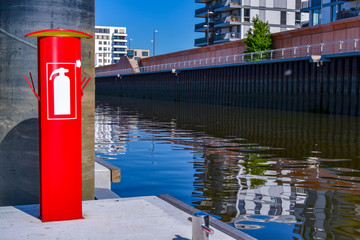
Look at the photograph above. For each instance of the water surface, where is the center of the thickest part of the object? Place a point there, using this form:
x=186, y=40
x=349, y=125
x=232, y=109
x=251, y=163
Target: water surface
x=272, y=174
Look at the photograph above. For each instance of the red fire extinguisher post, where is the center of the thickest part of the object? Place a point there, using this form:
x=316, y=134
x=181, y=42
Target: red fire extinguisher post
x=60, y=92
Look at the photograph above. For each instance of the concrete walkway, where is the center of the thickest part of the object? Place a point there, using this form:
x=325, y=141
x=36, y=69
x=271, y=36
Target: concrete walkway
x=122, y=218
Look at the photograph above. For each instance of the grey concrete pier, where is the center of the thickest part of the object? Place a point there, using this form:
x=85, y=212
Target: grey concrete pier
x=121, y=218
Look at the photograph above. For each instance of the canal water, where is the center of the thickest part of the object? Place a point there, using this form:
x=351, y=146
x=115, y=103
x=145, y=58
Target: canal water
x=272, y=174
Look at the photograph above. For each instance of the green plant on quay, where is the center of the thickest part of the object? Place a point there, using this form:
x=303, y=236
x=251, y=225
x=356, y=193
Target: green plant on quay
x=258, y=39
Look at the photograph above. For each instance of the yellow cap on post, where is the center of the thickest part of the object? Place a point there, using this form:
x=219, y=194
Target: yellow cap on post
x=59, y=33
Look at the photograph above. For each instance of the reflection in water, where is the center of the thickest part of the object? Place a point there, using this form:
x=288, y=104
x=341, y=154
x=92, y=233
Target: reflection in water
x=273, y=174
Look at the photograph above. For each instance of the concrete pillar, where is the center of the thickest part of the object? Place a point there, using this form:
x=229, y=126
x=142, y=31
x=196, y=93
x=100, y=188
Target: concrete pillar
x=18, y=107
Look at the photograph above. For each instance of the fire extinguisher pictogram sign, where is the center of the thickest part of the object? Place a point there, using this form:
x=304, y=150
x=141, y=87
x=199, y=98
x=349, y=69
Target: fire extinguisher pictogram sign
x=60, y=92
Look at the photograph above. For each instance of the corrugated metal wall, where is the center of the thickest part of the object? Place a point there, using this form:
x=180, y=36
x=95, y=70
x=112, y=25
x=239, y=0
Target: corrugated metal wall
x=330, y=87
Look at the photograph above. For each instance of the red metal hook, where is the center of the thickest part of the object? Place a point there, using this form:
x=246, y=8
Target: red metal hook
x=82, y=88
x=33, y=86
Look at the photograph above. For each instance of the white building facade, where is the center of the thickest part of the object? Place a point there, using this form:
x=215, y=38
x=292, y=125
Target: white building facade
x=137, y=54
x=229, y=20
x=110, y=45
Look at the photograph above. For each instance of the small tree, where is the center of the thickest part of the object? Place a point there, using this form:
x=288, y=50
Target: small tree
x=258, y=38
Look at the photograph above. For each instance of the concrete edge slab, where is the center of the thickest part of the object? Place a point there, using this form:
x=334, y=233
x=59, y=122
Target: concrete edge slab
x=223, y=227
x=104, y=193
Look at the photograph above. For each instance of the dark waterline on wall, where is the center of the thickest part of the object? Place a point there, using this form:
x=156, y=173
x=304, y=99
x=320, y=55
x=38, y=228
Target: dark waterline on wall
x=274, y=174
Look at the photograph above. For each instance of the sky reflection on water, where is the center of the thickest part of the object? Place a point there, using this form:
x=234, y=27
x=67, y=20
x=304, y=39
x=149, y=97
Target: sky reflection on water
x=272, y=174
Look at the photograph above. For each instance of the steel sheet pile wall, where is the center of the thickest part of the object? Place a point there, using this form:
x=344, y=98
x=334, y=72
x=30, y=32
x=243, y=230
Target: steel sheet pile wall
x=329, y=87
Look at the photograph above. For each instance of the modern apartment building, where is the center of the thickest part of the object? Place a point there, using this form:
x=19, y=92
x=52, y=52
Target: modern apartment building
x=229, y=20
x=325, y=11
x=110, y=45
x=137, y=54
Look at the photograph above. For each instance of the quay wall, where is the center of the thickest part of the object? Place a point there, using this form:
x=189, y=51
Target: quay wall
x=330, y=87
x=335, y=31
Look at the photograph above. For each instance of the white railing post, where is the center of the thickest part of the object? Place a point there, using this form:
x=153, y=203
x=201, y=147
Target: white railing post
x=355, y=43
x=271, y=54
x=340, y=47
x=308, y=50
x=322, y=49
x=282, y=53
x=261, y=54
x=295, y=52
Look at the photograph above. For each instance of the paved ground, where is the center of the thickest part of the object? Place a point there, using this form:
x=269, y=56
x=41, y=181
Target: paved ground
x=122, y=218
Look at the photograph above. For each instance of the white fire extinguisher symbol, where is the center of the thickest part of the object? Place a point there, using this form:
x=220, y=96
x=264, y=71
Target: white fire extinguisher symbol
x=61, y=92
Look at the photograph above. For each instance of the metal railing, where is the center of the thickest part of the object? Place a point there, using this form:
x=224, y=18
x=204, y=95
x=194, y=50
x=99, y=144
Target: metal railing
x=227, y=36
x=349, y=13
x=305, y=4
x=203, y=10
x=200, y=41
x=202, y=25
x=346, y=46
x=228, y=19
x=202, y=1
x=226, y=3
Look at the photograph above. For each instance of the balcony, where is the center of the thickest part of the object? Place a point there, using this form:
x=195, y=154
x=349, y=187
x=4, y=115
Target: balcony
x=202, y=27
x=119, y=50
x=305, y=5
x=228, y=21
x=199, y=42
x=119, y=39
x=227, y=5
x=120, y=34
x=202, y=12
x=227, y=37
x=202, y=1
x=352, y=12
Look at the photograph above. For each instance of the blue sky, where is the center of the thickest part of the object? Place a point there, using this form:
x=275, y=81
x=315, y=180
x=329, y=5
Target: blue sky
x=174, y=21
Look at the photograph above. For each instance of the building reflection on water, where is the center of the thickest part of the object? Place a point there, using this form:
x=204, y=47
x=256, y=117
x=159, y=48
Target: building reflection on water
x=253, y=167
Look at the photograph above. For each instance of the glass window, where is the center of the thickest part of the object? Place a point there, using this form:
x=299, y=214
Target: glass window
x=116, y=31
x=130, y=53
x=100, y=42
x=333, y=13
x=246, y=15
x=283, y=18
x=145, y=54
x=297, y=18
x=100, y=48
x=316, y=17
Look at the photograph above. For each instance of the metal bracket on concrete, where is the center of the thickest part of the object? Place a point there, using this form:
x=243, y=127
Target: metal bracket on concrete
x=215, y=223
